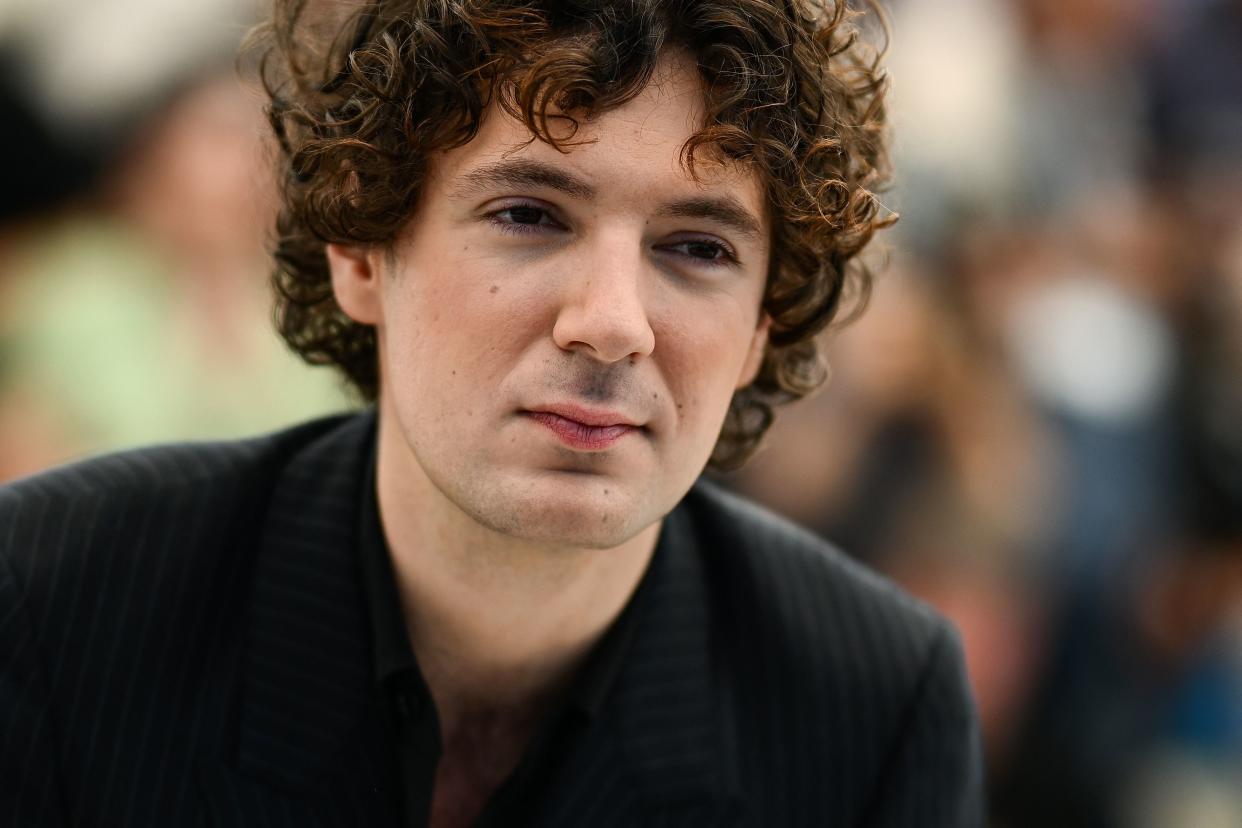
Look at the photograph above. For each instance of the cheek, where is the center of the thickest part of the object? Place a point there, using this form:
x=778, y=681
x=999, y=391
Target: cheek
x=702, y=363
x=453, y=326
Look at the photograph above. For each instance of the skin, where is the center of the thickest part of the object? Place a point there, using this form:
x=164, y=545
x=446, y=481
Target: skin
x=605, y=278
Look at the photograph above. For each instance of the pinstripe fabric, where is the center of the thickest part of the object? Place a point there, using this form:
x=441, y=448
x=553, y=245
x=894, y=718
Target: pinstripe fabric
x=182, y=643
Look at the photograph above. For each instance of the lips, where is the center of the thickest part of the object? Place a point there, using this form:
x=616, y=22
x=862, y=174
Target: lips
x=584, y=429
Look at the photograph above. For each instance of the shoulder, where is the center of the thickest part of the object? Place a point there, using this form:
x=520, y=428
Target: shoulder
x=804, y=621
x=811, y=590
x=158, y=500
x=864, y=683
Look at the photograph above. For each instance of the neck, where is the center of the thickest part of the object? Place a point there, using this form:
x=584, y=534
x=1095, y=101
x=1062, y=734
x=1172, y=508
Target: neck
x=499, y=624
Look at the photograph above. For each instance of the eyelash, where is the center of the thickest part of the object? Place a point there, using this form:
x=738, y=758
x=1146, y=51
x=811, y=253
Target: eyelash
x=517, y=228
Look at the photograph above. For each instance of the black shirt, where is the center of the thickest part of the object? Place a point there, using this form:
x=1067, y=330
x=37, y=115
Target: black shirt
x=411, y=713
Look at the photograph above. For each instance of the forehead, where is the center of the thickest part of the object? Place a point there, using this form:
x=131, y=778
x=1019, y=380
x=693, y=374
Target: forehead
x=634, y=151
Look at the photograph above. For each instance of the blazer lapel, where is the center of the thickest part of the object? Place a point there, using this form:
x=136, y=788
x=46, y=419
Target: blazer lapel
x=662, y=751
x=307, y=735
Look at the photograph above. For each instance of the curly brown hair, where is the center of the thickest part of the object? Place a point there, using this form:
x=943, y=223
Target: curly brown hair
x=790, y=91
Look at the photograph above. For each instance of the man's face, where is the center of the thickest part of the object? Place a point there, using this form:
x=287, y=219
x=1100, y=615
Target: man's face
x=560, y=334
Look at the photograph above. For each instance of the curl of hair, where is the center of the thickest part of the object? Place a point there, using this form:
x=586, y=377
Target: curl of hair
x=790, y=91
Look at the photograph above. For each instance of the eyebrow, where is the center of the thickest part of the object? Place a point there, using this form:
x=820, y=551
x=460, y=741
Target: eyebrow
x=521, y=173
x=724, y=210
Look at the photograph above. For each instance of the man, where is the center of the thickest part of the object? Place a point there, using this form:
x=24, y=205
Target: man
x=574, y=251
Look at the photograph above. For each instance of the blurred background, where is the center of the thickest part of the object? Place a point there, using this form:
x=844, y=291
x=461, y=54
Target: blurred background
x=1036, y=426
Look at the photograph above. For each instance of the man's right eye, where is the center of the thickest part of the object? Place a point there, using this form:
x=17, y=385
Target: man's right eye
x=522, y=218
x=525, y=215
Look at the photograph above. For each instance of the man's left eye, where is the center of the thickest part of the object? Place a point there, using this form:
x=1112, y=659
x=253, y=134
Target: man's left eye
x=710, y=252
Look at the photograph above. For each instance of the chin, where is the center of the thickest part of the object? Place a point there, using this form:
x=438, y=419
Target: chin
x=588, y=515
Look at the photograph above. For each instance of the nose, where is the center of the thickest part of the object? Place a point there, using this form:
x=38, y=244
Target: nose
x=603, y=313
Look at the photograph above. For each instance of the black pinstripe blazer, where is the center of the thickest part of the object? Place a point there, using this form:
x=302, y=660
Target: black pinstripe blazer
x=182, y=643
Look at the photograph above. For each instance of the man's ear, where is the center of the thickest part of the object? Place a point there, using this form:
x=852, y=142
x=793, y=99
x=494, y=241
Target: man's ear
x=356, y=281
x=754, y=357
